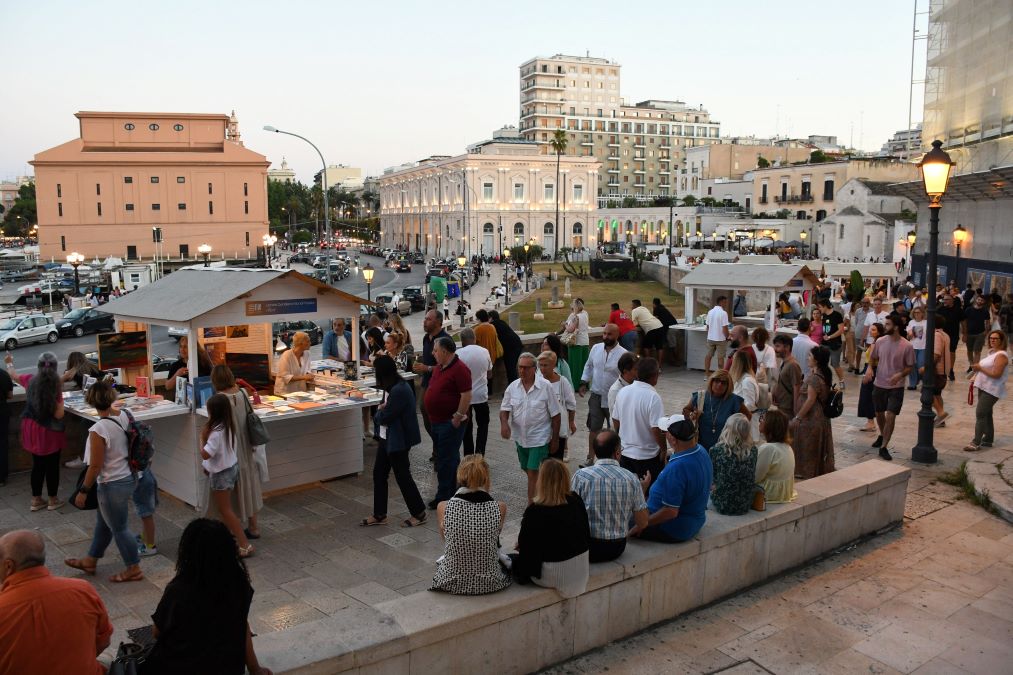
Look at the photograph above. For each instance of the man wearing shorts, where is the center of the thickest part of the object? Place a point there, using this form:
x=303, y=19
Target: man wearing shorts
x=654, y=330
x=896, y=359
x=717, y=333
x=834, y=325
x=529, y=414
x=600, y=372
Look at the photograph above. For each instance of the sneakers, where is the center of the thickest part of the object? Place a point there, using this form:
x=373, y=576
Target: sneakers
x=54, y=504
x=76, y=463
x=941, y=419
x=878, y=443
x=885, y=454
x=37, y=505
x=144, y=550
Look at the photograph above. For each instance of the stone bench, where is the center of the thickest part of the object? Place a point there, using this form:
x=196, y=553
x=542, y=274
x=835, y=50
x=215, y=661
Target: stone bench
x=525, y=628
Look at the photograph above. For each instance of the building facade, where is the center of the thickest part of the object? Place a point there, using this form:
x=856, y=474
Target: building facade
x=343, y=177
x=640, y=146
x=732, y=158
x=905, y=144
x=501, y=193
x=102, y=194
x=283, y=174
x=865, y=226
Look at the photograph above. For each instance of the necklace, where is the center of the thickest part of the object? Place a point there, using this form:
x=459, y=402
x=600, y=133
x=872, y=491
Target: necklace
x=714, y=412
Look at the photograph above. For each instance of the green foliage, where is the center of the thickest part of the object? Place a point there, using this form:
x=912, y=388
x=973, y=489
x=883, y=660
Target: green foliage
x=25, y=207
x=856, y=286
x=709, y=201
x=783, y=213
x=817, y=156
x=629, y=202
x=762, y=162
x=558, y=142
x=568, y=267
x=519, y=255
x=611, y=204
x=663, y=201
x=616, y=274
x=908, y=216
x=689, y=200
x=302, y=237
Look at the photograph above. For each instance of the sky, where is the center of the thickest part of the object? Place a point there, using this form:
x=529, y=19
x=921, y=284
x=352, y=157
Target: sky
x=379, y=84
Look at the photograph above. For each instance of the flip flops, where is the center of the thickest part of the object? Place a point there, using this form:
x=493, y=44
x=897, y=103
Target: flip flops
x=372, y=521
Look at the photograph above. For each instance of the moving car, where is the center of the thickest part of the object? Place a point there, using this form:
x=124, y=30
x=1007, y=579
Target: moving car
x=404, y=306
x=415, y=295
x=83, y=320
x=301, y=257
x=21, y=330
x=403, y=265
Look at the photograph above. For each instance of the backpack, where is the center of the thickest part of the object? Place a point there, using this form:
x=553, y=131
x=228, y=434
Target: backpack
x=140, y=443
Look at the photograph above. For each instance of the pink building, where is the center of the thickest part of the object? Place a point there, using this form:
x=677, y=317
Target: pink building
x=188, y=174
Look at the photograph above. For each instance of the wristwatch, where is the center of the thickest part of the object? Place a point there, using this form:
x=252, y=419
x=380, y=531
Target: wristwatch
x=460, y=416
x=84, y=489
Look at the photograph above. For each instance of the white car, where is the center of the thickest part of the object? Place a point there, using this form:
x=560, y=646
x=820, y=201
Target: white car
x=177, y=333
x=21, y=330
x=404, y=307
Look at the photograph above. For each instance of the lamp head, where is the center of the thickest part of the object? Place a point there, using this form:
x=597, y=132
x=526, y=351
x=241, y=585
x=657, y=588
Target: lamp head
x=804, y=235
x=204, y=249
x=268, y=127
x=506, y=252
x=912, y=236
x=367, y=273
x=960, y=234
x=936, y=166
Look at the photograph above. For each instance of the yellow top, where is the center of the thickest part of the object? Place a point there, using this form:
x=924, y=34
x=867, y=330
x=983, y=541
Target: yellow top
x=775, y=472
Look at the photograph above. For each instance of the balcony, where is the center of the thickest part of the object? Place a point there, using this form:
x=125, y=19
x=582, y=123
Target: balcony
x=639, y=144
x=639, y=185
x=536, y=85
x=761, y=200
x=612, y=170
x=587, y=143
x=613, y=183
x=613, y=144
x=664, y=172
x=794, y=199
x=614, y=158
x=638, y=171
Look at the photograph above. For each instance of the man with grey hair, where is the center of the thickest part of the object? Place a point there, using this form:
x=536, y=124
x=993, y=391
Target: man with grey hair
x=478, y=362
x=448, y=402
x=50, y=624
x=530, y=415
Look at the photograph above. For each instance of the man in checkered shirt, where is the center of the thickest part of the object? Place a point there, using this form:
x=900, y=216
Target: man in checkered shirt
x=613, y=497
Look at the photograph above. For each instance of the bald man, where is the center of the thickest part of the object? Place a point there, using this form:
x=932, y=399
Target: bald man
x=40, y=611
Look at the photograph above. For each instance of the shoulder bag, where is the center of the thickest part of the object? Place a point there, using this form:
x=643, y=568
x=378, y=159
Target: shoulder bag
x=255, y=428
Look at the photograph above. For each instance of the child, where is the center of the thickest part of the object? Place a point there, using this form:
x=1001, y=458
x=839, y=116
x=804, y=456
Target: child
x=218, y=441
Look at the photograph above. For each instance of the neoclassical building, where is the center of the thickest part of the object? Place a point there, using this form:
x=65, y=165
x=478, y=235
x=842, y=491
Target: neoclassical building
x=501, y=192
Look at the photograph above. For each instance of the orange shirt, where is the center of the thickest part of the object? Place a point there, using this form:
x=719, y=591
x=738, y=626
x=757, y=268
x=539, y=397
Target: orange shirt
x=485, y=336
x=51, y=624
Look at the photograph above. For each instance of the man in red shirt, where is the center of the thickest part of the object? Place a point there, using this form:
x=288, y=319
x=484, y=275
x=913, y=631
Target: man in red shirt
x=627, y=329
x=448, y=400
x=50, y=624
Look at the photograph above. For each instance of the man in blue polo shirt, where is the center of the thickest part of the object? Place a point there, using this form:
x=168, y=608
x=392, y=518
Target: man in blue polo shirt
x=677, y=500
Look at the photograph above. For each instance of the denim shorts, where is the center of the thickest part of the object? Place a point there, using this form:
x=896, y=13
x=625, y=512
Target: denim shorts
x=146, y=494
x=225, y=480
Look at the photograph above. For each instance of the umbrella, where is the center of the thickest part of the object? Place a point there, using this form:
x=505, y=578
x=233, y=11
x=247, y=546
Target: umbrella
x=780, y=244
x=796, y=243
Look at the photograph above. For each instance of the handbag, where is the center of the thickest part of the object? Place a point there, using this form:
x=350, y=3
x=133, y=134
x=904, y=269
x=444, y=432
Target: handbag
x=970, y=394
x=91, y=498
x=567, y=338
x=128, y=656
x=759, y=499
x=763, y=398
x=255, y=428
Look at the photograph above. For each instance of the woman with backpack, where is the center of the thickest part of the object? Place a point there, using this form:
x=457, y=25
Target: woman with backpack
x=814, y=439
x=107, y=453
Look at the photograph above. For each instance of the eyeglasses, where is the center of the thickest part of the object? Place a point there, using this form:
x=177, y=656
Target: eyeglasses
x=995, y=337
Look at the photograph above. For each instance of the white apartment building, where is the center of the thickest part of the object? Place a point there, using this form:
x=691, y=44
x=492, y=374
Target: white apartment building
x=347, y=178
x=282, y=174
x=640, y=146
x=500, y=193
x=905, y=144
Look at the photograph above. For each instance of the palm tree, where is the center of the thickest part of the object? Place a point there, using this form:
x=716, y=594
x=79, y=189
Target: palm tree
x=558, y=144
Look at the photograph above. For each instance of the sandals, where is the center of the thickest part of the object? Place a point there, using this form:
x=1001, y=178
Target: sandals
x=246, y=551
x=127, y=576
x=78, y=564
x=372, y=521
x=971, y=447
x=251, y=534
x=419, y=520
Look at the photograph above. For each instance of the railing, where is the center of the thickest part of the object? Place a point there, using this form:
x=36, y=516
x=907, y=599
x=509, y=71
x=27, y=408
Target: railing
x=794, y=199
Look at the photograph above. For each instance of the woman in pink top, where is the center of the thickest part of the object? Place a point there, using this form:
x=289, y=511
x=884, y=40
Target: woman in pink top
x=816, y=334
x=42, y=427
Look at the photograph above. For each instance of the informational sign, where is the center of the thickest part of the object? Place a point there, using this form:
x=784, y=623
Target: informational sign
x=285, y=306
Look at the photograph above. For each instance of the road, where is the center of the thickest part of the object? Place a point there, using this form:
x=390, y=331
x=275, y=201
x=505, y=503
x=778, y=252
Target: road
x=25, y=358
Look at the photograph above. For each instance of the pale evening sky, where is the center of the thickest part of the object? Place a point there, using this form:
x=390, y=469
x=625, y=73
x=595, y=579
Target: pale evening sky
x=375, y=84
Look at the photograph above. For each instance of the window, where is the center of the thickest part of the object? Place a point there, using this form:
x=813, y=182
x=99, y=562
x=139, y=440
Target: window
x=129, y=207
x=59, y=209
x=98, y=189
x=518, y=191
x=246, y=189
x=211, y=208
x=828, y=189
x=763, y=193
x=128, y=179
x=177, y=127
x=487, y=191
x=156, y=207
x=246, y=206
x=59, y=191
x=181, y=206
x=547, y=192
x=841, y=234
x=63, y=243
x=209, y=188
x=99, y=205
x=184, y=250
x=518, y=229
x=154, y=179
x=131, y=253
x=247, y=238
x=578, y=192
x=548, y=228
x=784, y=191
x=180, y=179
x=153, y=126
x=129, y=126
x=867, y=238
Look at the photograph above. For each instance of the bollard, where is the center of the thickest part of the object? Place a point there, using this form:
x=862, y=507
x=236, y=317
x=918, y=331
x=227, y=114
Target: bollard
x=539, y=315
x=566, y=288
x=514, y=320
x=555, y=303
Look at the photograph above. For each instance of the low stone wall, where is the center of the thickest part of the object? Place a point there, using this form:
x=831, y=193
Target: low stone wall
x=526, y=628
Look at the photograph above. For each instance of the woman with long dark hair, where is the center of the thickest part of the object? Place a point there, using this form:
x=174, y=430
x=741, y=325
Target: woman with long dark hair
x=218, y=450
x=814, y=439
x=249, y=491
x=201, y=624
x=42, y=431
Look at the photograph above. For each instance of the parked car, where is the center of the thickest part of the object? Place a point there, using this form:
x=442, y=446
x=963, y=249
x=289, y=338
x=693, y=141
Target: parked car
x=419, y=259
x=285, y=330
x=83, y=320
x=301, y=257
x=404, y=306
x=21, y=330
x=415, y=295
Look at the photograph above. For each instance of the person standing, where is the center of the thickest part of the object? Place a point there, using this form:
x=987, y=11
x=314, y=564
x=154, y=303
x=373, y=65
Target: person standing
x=627, y=331
x=338, y=342
x=613, y=497
x=529, y=415
x=877, y=315
x=916, y=334
x=512, y=345
x=636, y=417
x=477, y=360
x=810, y=427
x=862, y=309
x=802, y=345
x=600, y=371
x=990, y=377
x=710, y=408
x=766, y=357
x=717, y=333
x=653, y=342
x=896, y=360
x=789, y=377
x=667, y=320
x=249, y=493
x=577, y=324
x=942, y=363
x=739, y=307
x=485, y=336
x=953, y=315
x=563, y=391
x=433, y=327
x=835, y=328
x=739, y=341
x=294, y=367
x=977, y=321
x=627, y=376
x=448, y=401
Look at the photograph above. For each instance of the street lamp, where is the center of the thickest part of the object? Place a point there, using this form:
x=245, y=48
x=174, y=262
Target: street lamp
x=269, y=241
x=205, y=251
x=75, y=259
x=506, y=270
x=959, y=238
x=935, y=167
x=803, y=234
x=527, y=265
x=367, y=276
x=323, y=186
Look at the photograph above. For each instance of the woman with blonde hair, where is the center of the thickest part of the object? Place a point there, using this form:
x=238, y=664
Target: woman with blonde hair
x=577, y=326
x=734, y=460
x=710, y=408
x=394, y=347
x=396, y=324
x=552, y=548
x=470, y=523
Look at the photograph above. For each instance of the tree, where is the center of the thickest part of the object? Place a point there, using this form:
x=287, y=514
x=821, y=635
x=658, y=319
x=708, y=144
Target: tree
x=664, y=201
x=689, y=200
x=19, y=217
x=558, y=144
x=817, y=156
x=629, y=202
x=762, y=162
x=709, y=201
x=856, y=286
x=783, y=213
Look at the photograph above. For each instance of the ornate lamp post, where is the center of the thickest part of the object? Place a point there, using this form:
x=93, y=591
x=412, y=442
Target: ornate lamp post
x=75, y=259
x=269, y=241
x=935, y=167
x=527, y=265
x=205, y=251
x=367, y=276
x=959, y=238
x=804, y=235
x=506, y=271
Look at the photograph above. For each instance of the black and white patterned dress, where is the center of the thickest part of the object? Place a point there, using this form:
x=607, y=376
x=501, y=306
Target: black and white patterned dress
x=470, y=564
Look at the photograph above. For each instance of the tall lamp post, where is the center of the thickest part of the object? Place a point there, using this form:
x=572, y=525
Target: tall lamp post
x=803, y=234
x=935, y=167
x=323, y=185
x=506, y=272
x=205, y=251
x=527, y=265
x=75, y=259
x=367, y=276
x=959, y=238
x=269, y=241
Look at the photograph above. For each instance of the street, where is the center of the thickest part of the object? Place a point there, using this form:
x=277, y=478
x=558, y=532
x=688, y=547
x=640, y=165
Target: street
x=26, y=357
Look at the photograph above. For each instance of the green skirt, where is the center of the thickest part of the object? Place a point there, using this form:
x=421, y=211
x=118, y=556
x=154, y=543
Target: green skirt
x=576, y=356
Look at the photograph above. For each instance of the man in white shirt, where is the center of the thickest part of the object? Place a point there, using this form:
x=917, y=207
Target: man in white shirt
x=529, y=414
x=600, y=371
x=717, y=333
x=563, y=391
x=478, y=362
x=877, y=315
x=654, y=331
x=802, y=344
x=627, y=375
x=635, y=418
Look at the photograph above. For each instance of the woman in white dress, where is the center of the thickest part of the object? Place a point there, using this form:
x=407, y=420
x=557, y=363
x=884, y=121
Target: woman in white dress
x=745, y=385
x=294, y=367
